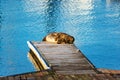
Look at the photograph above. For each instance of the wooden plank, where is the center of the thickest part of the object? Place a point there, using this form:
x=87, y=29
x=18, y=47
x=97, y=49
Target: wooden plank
x=70, y=68
x=109, y=77
x=55, y=62
x=108, y=71
x=17, y=77
x=84, y=67
x=85, y=77
x=104, y=77
x=75, y=65
x=62, y=56
x=23, y=77
x=76, y=72
x=95, y=77
x=5, y=78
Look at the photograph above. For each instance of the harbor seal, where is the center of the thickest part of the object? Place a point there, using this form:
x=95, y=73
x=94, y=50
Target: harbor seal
x=59, y=38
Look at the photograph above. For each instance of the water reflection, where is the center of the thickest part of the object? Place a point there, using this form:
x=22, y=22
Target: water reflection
x=109, y=2
x=77, y=16
x=52, y=13
x=113, y=4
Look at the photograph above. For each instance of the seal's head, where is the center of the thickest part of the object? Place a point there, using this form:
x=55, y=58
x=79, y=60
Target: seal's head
x=59, y=38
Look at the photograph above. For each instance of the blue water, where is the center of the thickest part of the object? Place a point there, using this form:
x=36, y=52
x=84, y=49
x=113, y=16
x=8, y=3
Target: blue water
x=95, y=24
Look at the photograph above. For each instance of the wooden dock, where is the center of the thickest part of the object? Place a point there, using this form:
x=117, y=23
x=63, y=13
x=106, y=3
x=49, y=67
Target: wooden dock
x=49, y=75
x=61, y=62
x=62, y=58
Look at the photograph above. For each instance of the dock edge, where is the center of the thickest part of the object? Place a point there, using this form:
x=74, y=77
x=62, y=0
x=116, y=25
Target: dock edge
x=42, y=60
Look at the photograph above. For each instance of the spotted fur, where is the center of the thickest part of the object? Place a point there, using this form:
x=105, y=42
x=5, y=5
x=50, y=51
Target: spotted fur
x=59, y=38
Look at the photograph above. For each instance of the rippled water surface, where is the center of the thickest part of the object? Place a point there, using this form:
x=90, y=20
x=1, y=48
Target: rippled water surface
x=95, y=24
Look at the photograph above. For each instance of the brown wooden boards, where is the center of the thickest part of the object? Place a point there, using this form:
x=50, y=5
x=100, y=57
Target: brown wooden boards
x=62, y=58
x=47, y=75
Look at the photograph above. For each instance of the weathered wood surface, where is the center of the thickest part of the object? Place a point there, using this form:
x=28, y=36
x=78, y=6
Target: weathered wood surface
x=49, y=75
x=65, y=58
x=108, y=71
